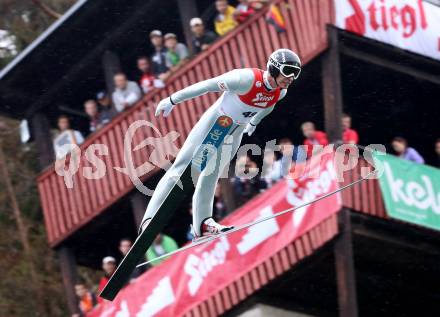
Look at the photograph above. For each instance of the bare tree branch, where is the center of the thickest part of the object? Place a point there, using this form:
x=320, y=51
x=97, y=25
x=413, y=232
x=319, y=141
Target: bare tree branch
x=46, y=9
x=22, y=229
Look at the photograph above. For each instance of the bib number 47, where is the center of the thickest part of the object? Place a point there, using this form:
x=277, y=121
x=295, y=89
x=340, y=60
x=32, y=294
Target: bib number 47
x=248, y=114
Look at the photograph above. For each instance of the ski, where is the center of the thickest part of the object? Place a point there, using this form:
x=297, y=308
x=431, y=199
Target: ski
x=250, y=224
x=146, y=238
x=221, y=128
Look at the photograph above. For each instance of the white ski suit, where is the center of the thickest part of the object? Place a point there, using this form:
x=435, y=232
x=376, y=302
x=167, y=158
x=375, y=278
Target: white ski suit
x=247, y=98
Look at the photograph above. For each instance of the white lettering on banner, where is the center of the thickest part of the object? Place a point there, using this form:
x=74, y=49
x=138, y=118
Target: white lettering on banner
x=123, y=311
x=409, y=24
x=313, y=188
x=258, y=233
x=198, y=267
x=421, y=196
x=161, y=297
x=108, y=312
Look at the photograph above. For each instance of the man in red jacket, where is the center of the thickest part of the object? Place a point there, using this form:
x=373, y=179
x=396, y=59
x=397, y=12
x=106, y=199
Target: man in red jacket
x=109, y=267
x=313, y=137
x=349, y=135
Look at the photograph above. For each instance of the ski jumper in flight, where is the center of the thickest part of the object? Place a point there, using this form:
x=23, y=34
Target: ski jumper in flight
x=248, y=96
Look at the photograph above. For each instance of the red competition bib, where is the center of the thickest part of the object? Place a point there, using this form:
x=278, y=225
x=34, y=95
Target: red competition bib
x=258, y=96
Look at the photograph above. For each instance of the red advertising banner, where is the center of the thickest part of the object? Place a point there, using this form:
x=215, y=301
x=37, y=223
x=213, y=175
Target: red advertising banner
x=184, y=280
x=413, y=25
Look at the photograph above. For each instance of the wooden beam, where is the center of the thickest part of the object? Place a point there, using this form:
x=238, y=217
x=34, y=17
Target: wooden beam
x=187, y=10
x=380, y=236
x=22, y=95
x=111, y=65
x=43, y=139
x=387, y=63
x=344, y=263
x=69, y=276
x=74, y=112
x=396, y=232
x=332, y=88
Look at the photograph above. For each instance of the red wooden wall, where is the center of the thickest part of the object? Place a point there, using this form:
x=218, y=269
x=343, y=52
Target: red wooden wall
x=366, y=196
x=67, y=209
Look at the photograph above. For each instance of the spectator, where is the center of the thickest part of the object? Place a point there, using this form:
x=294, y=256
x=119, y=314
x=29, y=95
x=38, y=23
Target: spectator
x=106, y=111
x=109, y=267
x=64, y=125
x=268, y=170
x=66, y=137
x=126, y=93
x=243, y=11
x=349, y=136
x=162, y=244
x=124, y=246
x=400, y=146
x=202, y=38
x=177, y=53
x=86, y=299
x=313, y=137
x=437, y=152
x=160, y=68
x=290, y=155
x=147, y=80
x=91, y=109
x=244, y=187
x=258, y=4
x=282, y=166
x=224, y=21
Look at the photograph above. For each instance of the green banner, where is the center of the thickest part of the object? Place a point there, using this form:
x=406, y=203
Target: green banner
x=411, y=191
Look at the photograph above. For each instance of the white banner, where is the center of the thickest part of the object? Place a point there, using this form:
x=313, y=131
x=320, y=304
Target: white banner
x=413, y=25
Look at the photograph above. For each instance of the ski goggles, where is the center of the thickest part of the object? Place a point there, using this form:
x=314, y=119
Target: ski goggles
x=290, y=71
x=287, y=70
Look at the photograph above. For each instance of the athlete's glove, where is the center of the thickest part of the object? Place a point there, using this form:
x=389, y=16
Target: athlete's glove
x=250, y=128
x=165, y=105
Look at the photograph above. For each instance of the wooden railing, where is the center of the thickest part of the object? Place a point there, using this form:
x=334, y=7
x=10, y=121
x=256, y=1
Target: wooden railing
x=365, y=197
x=67, y=209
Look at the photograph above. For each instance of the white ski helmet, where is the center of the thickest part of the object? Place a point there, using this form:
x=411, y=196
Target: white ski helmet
x=285, y=62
